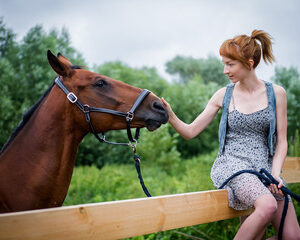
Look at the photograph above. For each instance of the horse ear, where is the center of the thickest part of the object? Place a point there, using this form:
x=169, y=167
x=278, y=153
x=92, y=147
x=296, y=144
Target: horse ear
x=63, y=59
x=60, y=67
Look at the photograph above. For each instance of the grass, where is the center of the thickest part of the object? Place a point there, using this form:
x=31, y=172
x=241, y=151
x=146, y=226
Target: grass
x=118, y=182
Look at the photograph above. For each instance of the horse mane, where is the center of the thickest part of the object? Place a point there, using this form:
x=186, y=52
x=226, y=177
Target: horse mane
x=76, y=67
x=26, y=116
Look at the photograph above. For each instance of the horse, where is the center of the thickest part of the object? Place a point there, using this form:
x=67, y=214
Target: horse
x=36, y=163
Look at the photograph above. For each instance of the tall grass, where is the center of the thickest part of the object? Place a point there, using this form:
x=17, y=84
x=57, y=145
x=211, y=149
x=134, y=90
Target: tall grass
x=118, y=182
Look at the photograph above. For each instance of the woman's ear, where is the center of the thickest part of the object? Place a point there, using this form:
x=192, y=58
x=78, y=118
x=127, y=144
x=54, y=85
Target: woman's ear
x=61, y=68
x=251, y=63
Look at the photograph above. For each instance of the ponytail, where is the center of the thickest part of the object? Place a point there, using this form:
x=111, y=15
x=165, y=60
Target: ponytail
x=243, y=48
x=266, y=44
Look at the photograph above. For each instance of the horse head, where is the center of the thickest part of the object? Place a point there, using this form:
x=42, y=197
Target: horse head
x=99, y=91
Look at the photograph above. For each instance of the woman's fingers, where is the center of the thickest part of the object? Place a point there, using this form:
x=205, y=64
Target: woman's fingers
x=279, y=186
x=273, y=188
x=276, y=190
x=166, y=104
x=280, y=183
x=164, y=101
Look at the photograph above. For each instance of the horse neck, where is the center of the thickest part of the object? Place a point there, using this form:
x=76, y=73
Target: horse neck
x=45, y=149
x=52, y=131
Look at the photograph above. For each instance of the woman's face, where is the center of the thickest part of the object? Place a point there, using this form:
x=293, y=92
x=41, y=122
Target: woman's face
x=234, y=69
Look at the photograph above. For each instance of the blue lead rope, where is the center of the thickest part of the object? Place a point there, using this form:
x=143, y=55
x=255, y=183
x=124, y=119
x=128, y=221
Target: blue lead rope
x=268, y=179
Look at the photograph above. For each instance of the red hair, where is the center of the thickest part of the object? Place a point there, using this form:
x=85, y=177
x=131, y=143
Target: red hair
x=243, y=48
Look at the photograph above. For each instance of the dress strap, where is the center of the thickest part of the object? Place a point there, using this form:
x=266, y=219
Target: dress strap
x=233, y=102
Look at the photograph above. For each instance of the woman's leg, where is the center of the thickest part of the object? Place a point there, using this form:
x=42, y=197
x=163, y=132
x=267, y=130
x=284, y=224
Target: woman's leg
x=261, y=236
x=265, y=209
x=291, y=228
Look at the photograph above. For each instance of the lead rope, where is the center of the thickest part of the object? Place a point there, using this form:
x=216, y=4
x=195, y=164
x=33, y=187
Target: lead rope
x=137, y=160
x=132, y=144
x=266, y=178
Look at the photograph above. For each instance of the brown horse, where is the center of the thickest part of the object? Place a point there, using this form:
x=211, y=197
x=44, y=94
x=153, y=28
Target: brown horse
x=36, y=164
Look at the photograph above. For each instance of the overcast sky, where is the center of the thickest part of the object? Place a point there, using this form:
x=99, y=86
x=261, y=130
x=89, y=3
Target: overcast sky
x=149, y=33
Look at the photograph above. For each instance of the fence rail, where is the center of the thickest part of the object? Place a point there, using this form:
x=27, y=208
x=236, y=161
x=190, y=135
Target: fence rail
x=127, y=218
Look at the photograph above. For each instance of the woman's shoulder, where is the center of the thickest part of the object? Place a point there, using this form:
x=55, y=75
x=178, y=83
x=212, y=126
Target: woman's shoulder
x=279, y=90
x=218, y=96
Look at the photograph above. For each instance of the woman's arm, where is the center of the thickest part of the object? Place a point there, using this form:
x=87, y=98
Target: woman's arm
x=188, y=131
x=281, y=123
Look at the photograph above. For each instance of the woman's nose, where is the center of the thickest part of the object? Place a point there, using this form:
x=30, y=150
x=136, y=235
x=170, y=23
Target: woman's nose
x=225, y=70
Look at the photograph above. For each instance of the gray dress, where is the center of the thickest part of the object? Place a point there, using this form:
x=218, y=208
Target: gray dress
x=246, y=147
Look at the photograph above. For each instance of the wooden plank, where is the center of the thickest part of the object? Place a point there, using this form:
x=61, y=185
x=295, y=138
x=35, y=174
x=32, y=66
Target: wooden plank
x=291, y=170
x=119, y=219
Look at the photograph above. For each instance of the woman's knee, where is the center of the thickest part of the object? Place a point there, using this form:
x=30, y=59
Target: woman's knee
x=292, y=236
x=266, y=206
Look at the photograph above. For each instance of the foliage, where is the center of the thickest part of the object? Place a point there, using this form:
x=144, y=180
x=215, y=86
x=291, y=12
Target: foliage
x=289, y=78
x=25, y=72
x=188, y=102
x=186, y=68
x=160, y=148
x=91, y=152
x=139, y=77
x=119, y=181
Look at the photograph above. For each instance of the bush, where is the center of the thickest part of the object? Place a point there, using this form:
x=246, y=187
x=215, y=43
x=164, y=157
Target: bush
x=159, y=148
x=188, y=101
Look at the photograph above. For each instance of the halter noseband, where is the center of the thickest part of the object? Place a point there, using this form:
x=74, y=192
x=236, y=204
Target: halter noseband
x=86, y=109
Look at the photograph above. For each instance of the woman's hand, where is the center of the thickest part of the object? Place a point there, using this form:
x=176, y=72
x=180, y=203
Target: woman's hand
x=167, y=106
x=276, y=189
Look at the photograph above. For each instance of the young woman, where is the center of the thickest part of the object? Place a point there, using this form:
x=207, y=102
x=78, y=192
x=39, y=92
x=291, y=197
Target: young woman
x=252, y=135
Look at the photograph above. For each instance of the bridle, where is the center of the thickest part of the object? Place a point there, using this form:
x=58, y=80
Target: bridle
x=86, y=109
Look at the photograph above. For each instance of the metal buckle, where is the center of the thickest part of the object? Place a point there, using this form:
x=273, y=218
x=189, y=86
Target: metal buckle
x=86, y=108
x=72, y=97
x=133, y=145
x=129, y=116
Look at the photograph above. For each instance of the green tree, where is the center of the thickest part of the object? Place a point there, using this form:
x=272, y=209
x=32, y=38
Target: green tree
x=160, y=149
x=289, y=79
x=139, y=77
x=25, y=73
x=186, y=68
x=188, y=102
x=35, y=71
x=8, y=109
x=8, y=44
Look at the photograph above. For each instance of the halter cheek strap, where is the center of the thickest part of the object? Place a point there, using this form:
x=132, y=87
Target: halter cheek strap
x=87, y=109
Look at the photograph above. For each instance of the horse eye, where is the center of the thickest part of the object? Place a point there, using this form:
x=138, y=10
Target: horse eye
x=100, y=83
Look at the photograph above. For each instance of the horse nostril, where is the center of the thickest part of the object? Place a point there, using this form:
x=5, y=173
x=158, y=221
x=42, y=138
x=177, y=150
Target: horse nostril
x=158, y=106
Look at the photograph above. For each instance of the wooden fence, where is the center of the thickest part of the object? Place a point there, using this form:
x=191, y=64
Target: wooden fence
x=127, y=218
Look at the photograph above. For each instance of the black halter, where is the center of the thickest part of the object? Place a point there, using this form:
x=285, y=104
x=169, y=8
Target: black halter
x=86, y=109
